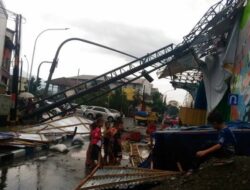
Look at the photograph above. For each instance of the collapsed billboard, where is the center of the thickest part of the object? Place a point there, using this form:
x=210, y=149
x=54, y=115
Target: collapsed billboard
x=240, y=83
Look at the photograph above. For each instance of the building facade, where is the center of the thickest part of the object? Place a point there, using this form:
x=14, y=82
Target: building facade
x=138, y=86
x=3, y=25
x=6, y=57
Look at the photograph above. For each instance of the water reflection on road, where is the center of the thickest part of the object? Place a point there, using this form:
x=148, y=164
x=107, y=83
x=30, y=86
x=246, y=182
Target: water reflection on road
x=58, y=171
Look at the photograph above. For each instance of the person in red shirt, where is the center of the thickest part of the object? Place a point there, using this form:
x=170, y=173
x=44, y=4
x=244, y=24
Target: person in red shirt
x=93, y=135
x=150, y=130
x=116, y=141
x=95, y=141
x=106, y=142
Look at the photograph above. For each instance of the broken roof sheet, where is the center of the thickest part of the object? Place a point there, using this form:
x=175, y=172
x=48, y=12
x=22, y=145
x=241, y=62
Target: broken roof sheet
x=180, y=65
x=31, y=137
x=64, y=125
x=109, y=177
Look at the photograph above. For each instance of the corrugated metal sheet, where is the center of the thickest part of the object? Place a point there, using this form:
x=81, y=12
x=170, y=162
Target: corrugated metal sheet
x=109, y=177
x=64, y=125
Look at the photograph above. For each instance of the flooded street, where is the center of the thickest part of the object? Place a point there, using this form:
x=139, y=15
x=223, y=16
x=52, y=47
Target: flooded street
x=57, y=171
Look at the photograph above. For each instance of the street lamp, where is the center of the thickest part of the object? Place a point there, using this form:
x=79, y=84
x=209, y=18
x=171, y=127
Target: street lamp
x=55, y=60
x=34, y=48
x=28, y=66
x=38, y=70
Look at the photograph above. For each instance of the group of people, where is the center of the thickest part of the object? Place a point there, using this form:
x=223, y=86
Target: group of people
x=109, y=141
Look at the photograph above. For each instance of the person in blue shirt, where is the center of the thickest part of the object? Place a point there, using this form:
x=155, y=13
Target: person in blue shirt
x=224, y=149
x=226, y=143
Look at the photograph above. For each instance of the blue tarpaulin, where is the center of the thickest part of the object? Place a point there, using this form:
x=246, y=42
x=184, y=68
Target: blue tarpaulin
x=6, y=135
x=180, y=144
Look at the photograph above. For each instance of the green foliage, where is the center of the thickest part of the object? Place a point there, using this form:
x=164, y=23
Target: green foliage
x=172, y=111
x=136, y=99
x=118, y=100
x=94, y=99
x=115, y=100
x=158, y=104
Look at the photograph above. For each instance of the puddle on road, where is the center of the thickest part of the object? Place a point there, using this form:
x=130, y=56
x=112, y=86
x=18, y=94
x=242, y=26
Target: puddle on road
x=57, y=172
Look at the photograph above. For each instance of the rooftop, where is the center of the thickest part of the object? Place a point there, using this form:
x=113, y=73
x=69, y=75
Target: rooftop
x=71, y=81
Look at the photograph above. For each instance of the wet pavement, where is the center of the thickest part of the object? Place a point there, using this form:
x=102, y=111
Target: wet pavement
x=49, y=171
x=56, y=171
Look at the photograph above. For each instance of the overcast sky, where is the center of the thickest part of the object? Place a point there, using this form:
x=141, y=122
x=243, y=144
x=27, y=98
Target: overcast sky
x=134, y=26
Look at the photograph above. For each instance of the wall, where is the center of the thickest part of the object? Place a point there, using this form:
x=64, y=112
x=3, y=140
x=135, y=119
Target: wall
x=130, y=93
x=148, y=87
x=7, y=53
x=241, y=80
x=3, y=23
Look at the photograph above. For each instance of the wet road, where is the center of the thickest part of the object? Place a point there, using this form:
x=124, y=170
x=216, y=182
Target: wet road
x=57, y=171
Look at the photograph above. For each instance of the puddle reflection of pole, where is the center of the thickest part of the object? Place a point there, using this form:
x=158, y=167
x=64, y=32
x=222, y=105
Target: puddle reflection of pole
x=3, y=178
x=38, y=177
x=19, y=177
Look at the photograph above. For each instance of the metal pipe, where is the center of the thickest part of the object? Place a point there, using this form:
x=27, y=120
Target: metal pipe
x=28, y=67
x=20, y=78
x=34, y=48
x=38, y=70
x=15, y=78
x=55, y=60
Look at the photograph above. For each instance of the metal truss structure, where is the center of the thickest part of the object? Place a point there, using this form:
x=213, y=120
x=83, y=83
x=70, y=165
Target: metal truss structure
x=201, y=41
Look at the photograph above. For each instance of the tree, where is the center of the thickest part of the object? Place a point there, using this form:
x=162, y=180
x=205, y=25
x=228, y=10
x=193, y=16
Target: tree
x=136, y=99
x=101, y=100
x=172, y=111
x=158, y=104
x=118, y=100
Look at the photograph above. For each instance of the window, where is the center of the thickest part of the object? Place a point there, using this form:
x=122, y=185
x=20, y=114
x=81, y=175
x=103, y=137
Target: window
x=99, y=109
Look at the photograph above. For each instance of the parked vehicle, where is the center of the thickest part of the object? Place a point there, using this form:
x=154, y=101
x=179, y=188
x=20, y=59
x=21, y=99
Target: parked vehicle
x=108, y=114
x=85, y=111
x=142, y=117
x=83, y=108
x=55, y=110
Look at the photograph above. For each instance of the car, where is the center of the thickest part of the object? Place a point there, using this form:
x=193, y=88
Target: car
x=108, y=114
x=85, y=111
x=83, y=108
x=55, y=110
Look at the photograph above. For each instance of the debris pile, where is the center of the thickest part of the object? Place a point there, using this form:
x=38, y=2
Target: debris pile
x=45, y=133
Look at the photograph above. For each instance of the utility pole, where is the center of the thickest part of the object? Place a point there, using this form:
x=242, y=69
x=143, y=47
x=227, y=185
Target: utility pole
x=20, y=78
x=14, y=92
x=143, y=106
x=78, y=73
